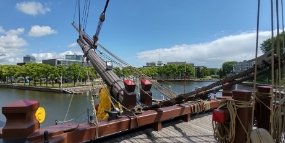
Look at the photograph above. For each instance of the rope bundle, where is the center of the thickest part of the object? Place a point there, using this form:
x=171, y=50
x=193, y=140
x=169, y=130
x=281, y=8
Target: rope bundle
x=225, y=132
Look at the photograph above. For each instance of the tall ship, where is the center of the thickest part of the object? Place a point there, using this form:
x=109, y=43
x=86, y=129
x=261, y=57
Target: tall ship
x=127, y=104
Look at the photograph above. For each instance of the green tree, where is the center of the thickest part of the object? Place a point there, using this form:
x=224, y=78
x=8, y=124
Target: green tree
x=149, y=71
x=34, y=72
x=5, y=72
x=74, y=70
x=118, y=71
x=22, y=72
x=266, y=45
x=227, y=67
x=93, y=73
x=86, y=74
x=204, y=72
x=127, y=71
x=213, y=71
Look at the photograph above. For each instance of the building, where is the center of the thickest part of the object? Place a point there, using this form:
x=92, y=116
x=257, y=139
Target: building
x=242, y=66
x=159, y=63
x=57, y=62
x=52, y=62
x=74, y=57
x=150, y=64
x=176, y=63
x=180, y=63
x=29, y=59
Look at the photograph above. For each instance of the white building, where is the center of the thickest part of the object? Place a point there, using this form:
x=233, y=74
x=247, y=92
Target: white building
x=242, y=66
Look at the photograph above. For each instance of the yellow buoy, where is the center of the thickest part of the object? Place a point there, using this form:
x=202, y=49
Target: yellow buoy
x=40, y=114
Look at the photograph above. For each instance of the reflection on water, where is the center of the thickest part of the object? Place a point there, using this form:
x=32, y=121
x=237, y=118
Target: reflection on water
x=56, y=104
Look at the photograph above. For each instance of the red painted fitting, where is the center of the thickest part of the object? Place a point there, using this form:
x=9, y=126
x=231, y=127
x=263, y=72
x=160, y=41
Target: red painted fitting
x=130, y=86
x=220, y=115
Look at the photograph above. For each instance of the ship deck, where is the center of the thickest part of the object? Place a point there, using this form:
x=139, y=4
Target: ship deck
x=197, y=130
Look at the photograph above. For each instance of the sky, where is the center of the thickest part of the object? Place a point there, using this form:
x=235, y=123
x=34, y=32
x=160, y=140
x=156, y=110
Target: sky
x=203, y=32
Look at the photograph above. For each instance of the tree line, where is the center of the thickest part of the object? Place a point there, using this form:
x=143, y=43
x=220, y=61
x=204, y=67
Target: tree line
x=169, y=71
x=37, y=74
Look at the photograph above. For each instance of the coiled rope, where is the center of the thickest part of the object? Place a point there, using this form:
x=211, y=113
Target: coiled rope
x=225, y=132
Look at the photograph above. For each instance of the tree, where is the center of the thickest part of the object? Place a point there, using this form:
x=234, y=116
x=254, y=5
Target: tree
x=149, y=71
x=22, y=72
x=45, y=72
x=266, y=45
x=227, y=67
x=53, y=74
x=74, y=70
x=92, y=73
x=61, y=71
x=5, y=72
x=213, y=71
x=118, y=71
x=127, y=71
x=204, y=72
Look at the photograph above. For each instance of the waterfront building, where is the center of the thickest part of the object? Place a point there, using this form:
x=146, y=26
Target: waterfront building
x=242, y=66
x=65, y=62
x=180, y=63
x=159, y=63
x=74, y=57
x=150, y=64
x=29, y=59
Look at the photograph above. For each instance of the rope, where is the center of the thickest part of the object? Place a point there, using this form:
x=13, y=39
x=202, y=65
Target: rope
x=69, y=105
x=96, y=123
x=272, y=63
x=121, y=63
x=259, y=96
x=225, y=133
x=75, y=9
x=255, y=65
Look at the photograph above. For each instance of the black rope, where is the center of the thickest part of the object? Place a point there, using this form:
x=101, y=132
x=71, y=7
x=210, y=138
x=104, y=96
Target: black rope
x=75, y=9
x=100, y=23
x=278, y=44
x=106, y=6
x=256, y=44
x=84, y=12
x=79, y=15
x=87, y=14
x=272, y=45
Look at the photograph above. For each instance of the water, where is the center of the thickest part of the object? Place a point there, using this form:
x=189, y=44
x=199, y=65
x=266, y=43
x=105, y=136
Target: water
x=178, y=87
x=56, y=105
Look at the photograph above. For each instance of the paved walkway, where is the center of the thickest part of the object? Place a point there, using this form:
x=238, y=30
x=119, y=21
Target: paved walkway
x=197, y=130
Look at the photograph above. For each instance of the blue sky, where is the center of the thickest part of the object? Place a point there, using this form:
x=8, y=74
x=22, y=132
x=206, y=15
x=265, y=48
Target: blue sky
x=204, y=32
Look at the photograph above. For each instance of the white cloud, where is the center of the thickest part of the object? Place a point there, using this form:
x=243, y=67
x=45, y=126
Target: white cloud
x=1, y=30
x=11, y=45
x=53, y=55
x=32, y=8
x=211, y=54
x=39, y=31
x=73, y=45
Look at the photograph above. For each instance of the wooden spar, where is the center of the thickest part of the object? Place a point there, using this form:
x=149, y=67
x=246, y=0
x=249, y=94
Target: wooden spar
x=111, y=79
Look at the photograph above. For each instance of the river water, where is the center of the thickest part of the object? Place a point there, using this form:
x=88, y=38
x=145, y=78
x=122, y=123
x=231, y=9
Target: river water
x=57, y=105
